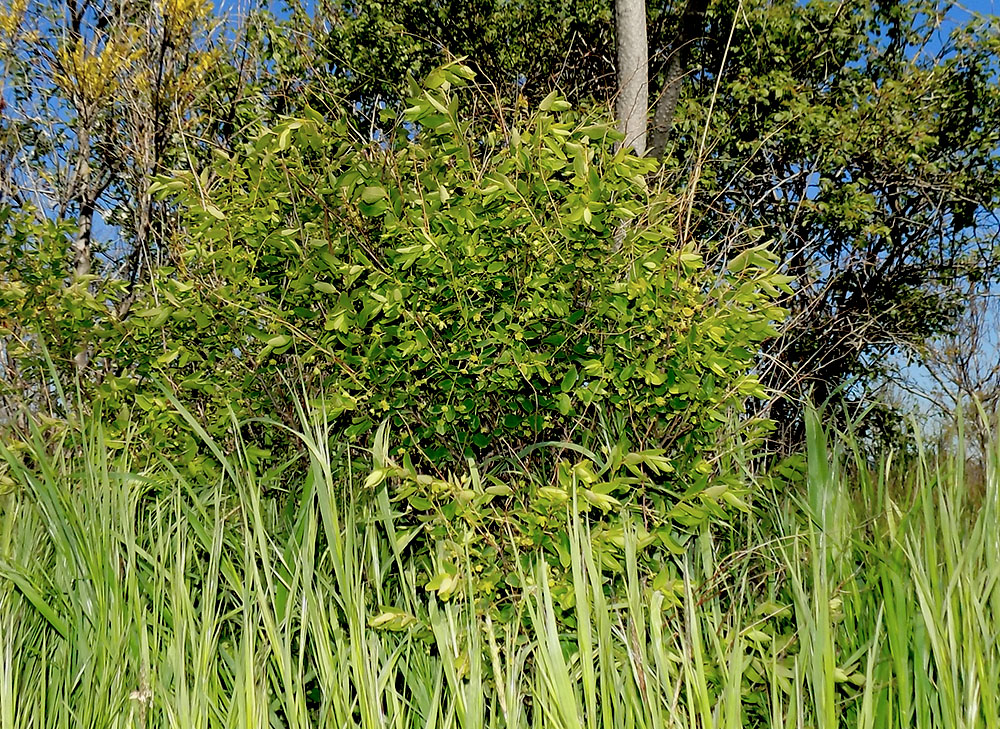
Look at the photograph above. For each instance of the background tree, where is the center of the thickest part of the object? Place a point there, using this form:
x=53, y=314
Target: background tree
x=690, y=27
x=99, y=98
x=958, y=372
x=863, y=142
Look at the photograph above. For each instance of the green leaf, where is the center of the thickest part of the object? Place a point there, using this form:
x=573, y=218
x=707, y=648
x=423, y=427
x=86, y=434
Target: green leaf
x=601, y=501
x=33, y=595
x=564, y=404
x=569, y=379
x=549, y=100
x=214, y=211
x=167, y=358
x=373, y=194
x=284, y=139
x=444, y=582
x=391, y=618
x=376, y=477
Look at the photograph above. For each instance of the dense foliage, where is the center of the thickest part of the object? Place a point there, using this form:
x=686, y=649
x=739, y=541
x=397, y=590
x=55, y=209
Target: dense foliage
x=480, y=290
x=485, y=288
x=859, y=138
x=331, y=397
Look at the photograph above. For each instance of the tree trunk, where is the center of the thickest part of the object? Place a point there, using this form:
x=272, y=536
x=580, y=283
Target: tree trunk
x=81, y=247
x=86, y=200
x=691, y=25
x=633, y=72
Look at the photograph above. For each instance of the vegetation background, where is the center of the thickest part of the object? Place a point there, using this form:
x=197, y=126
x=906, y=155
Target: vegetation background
x=426, y=363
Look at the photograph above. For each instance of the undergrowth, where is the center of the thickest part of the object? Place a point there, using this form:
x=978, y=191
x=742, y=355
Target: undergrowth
x=133, y=596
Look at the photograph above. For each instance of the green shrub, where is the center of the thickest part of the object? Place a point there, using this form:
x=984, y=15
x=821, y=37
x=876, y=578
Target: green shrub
x=487, y=282
x=482, y=288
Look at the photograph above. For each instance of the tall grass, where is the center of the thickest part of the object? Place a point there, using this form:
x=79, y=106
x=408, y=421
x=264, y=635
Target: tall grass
x=132, y=596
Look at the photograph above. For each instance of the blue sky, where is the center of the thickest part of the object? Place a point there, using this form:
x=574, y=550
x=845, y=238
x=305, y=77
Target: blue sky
x=984, y=7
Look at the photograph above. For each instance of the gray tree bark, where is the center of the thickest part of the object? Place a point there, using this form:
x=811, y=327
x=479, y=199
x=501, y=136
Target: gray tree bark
x=632, y=104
